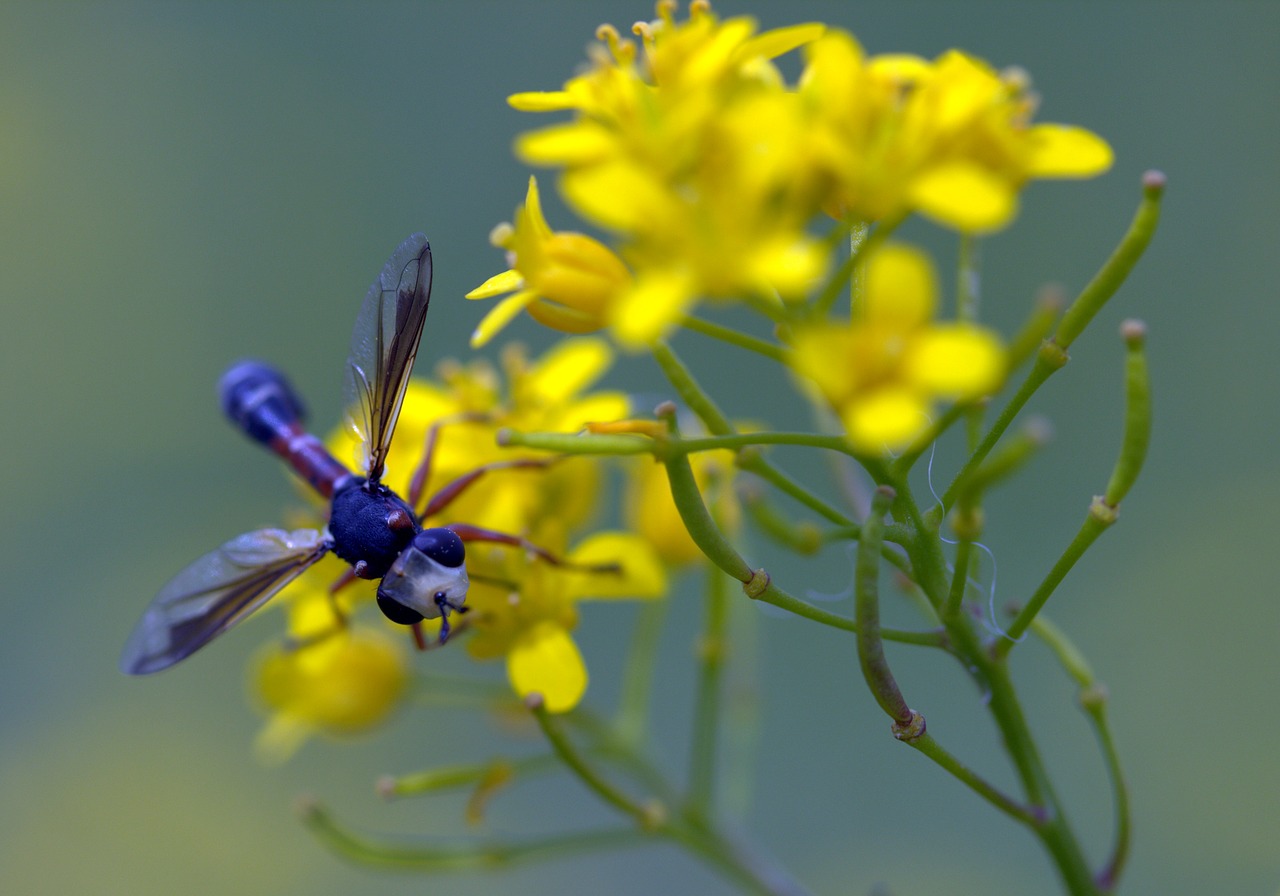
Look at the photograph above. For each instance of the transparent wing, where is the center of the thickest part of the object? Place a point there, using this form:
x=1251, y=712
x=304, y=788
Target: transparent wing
x=216, y=592
x=383, y=346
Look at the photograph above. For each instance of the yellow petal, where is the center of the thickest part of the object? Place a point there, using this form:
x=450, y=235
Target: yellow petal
x=563, y=318
x=789, y=265
x=576, y=143
x=500, y=315
x=617, y=195
x=496, y=285
x=900, y=291
x=544, y=660
x=639, y=572
x=533, y=211
x=541, y=101
x=965, y=197
x=1059, y=150
x=824, y=355
x=651, y=307
x=569, y=367
x=886, y=419
x=772, y=44
x=898, y=68
x=956, y=361
x=599, y=407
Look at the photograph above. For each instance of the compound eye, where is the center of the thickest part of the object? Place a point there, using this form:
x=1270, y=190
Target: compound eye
x=398, y=612
x=441, y=545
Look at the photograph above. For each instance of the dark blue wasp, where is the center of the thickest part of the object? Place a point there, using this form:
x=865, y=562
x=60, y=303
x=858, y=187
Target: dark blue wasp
x=422, y=571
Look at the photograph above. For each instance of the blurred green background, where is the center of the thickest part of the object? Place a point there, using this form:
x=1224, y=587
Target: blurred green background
x=184, y=184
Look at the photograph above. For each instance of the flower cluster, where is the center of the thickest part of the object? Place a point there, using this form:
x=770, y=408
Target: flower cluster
x=709, y=171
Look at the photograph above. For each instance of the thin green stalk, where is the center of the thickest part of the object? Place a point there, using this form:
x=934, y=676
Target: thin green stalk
x=1054, y=831
x=1048, y=305
x=574, y=443
x=861, y=243
x=1093, y=700
x=735, y=337
x=712, y=647
x=637, y=679
x=968, y=279
x=975, y=782
x=454, y=777
x=1098, y=521
x=747, y=439
x=754, y=463
x=393, y=855
x=779, y=598
x=649, y=816
x=697, y=519
x=1118, y=267
x=959, y=580
x=875, y=668
x=1109, y=876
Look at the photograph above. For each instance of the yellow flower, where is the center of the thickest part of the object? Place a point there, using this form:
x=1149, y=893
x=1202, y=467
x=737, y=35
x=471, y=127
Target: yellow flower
x=884, y=369
x=690, y=155
x=951, y=138
x=329, y=679
x=564, y=280
x=524, y=609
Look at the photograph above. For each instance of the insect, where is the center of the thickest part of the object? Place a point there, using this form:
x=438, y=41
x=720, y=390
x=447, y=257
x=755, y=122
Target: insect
x=422, y=571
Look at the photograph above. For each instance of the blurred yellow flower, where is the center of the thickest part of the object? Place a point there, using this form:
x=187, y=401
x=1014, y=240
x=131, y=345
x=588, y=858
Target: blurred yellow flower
x=329, y=679
x=951, y=138
x=525, y=608
x=883, y=370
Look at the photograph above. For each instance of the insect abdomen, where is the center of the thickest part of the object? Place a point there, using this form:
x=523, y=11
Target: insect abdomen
x=259, y=400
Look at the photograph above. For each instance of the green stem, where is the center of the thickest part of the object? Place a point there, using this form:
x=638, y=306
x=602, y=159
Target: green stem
x=747, y=439
x=1098, y=521
x=1137, y=414
x=637, y=681
x=706, y=716
x=775, y=596
x=861, y=243
x=968, y=285
x=454, y=777
x=875, y=668
x=479, y=856
x=648, y=816
x=735, y=337
x=1054, y=830
x=1118, y=267
x=1111, y=871
x=959, y=581
x=975, y=782
x=1093, y=699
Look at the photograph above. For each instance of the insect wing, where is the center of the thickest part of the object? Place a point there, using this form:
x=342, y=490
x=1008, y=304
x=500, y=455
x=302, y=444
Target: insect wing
x=216, y=592
x=383, y=346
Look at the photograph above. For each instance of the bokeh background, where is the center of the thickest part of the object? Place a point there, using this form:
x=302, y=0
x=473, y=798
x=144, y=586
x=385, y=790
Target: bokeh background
x=183, y=184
